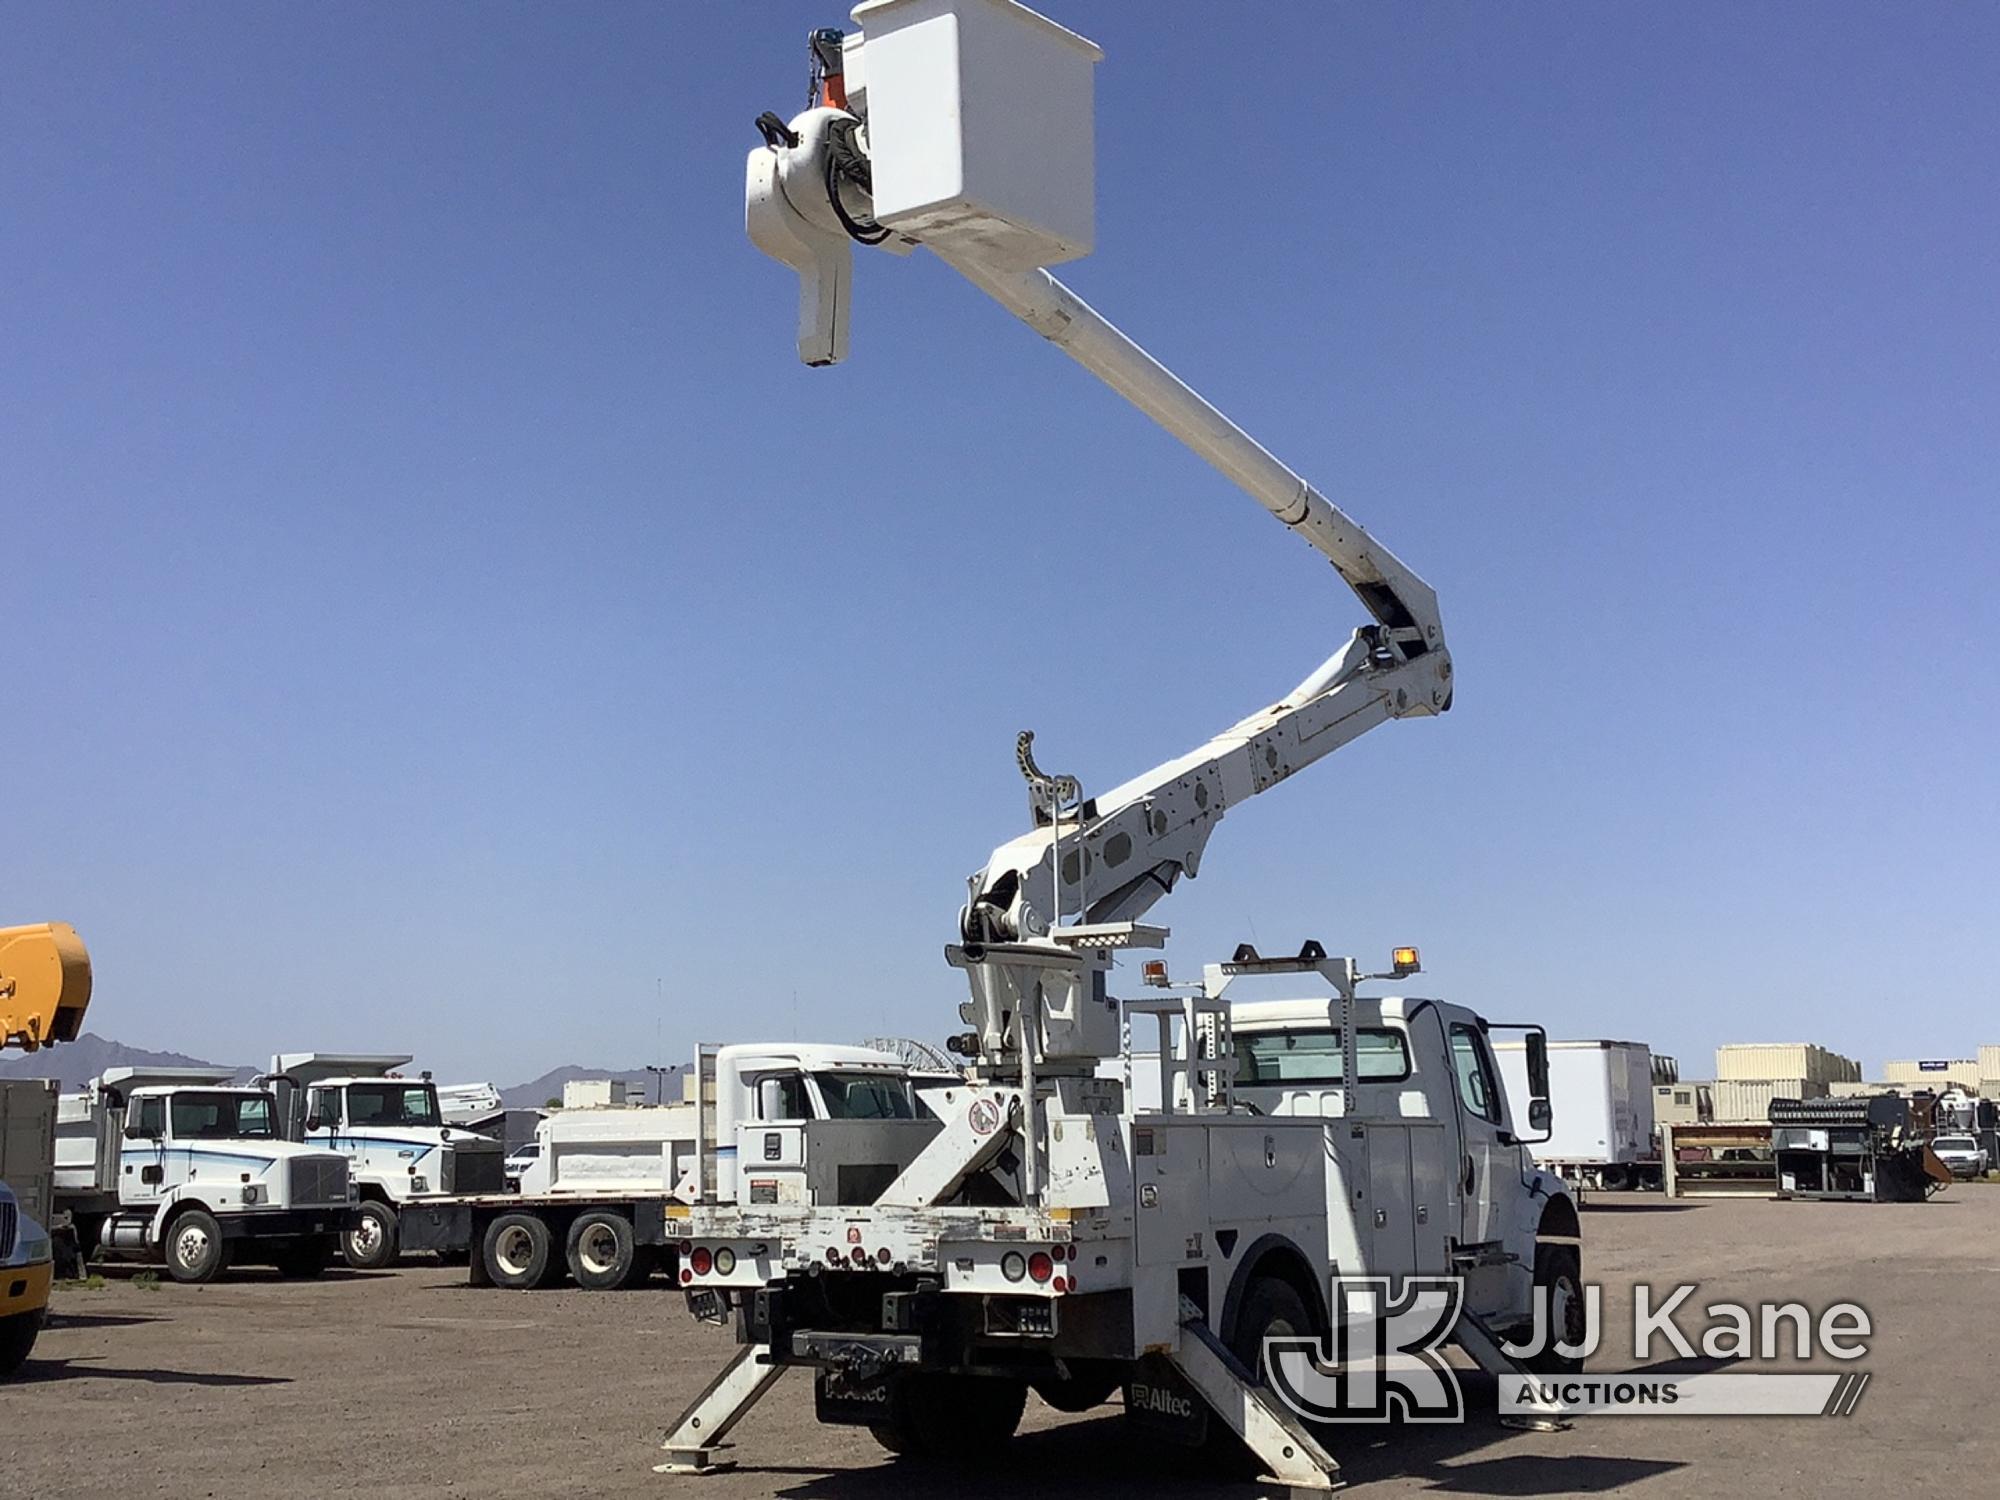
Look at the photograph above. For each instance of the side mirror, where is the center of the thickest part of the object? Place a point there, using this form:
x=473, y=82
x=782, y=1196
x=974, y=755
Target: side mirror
x=140, y=1133
x=1540, y=1116
x=314, y=1122
x=1538, y=1065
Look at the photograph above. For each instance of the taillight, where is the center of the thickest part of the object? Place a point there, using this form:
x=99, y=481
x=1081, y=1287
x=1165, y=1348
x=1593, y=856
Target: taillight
x=1040, y=1266
x=858, y=1255
x=1013, y=1265
x=701, y=1260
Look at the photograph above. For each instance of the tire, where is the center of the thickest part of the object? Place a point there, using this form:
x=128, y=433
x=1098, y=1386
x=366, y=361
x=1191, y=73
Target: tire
x=1091, y=1383
x=951, y=1416
x=372, y=1244
x=602, y=1252
x=1559, y=1276
x=195, y=1250
x=518, y=1250
x=304, y=1260
x=17, y=1340
x=68, y=1258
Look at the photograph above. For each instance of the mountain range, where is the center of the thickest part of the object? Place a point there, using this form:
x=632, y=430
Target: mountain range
x=73, y=1064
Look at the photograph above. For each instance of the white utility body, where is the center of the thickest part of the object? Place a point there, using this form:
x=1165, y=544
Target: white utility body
x=779, y=1122
x=392, y=1130
x=1052, y=1235
x=181, y=1166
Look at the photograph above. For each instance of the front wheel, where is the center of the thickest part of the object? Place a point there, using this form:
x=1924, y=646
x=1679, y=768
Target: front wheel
x=1559, y=1279
x=371, y=1244
x=17, y=1339
x=951, y=1416
x=195, y=1249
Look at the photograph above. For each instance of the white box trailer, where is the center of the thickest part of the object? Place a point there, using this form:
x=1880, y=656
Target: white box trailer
x=1601, y=1093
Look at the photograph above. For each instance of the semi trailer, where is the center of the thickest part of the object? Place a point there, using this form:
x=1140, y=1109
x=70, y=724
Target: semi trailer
x=1601, y=1098
x=596, y=1199
x=1054, y=1234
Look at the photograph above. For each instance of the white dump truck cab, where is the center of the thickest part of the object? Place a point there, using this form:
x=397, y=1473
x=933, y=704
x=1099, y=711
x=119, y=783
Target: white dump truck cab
x=392, y=1131
x=183, y=1167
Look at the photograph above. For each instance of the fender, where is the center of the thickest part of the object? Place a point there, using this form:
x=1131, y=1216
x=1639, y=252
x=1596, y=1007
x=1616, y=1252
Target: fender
x=1247, y=1265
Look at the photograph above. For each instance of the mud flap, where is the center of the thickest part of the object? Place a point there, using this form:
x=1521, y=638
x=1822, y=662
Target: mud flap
x=842, y=1402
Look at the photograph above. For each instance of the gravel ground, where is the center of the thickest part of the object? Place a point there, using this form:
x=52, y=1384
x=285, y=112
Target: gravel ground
x=410, y=1383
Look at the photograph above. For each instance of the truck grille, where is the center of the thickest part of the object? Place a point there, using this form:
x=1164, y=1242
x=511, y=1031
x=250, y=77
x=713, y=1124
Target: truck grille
x=317, y=1180
x=473, y=1169
x=10, y=1226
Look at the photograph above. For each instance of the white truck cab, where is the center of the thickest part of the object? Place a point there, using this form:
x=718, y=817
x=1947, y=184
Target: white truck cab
x=181, y=1166
x=391, y=1130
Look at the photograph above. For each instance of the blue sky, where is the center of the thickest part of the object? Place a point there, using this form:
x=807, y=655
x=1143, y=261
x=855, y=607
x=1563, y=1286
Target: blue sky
x=441, y=615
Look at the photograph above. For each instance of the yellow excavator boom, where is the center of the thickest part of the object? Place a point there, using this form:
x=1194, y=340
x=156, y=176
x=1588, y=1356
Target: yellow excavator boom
x=44, y=984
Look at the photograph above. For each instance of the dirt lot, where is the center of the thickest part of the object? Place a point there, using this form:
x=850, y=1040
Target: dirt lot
x=412, y=1384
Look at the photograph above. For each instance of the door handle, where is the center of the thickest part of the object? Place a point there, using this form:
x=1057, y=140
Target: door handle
x=1471, y=1172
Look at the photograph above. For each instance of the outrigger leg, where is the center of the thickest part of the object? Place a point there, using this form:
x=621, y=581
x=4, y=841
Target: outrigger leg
x=1292, y=1456
x=694, y=1442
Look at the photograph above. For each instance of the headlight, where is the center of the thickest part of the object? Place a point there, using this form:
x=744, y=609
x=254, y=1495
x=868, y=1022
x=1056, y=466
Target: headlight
x=253, y=1193
x=32, y=1252
x=418, y=1185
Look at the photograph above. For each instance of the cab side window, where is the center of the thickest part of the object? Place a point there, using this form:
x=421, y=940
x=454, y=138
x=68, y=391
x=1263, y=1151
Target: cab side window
x=153, y=1116
x=1478, y=1091
x=782, y=1096
x=323, y=1105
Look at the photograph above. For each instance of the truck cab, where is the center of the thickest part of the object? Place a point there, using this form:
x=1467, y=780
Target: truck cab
x=1448, y=1168
x=390, y=1128
x=182, y=1166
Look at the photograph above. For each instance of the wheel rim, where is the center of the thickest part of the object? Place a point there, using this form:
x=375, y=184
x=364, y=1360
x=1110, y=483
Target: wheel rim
x=366, y=1237
x=514, y=1250
x=191, y=1245
x=597, y=1250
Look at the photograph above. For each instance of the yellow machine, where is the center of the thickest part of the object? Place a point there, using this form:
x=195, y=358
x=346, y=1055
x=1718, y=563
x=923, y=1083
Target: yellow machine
x=44, y=990
x=44, y=985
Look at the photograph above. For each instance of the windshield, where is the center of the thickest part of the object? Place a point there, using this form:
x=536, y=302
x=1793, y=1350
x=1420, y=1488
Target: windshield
x=1312, y=1055
x=1954, y=1143
x=391, y=1104
x=866, y=1096
x=221, y=1117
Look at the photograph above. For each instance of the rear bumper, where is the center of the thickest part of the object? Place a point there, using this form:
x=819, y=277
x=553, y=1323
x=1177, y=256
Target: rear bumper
x=25, y=1289
x=289, y=1223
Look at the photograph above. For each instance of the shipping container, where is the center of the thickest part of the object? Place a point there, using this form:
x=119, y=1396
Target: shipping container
x=1683, y=1103
x=1752, y=1061
x=1933, y=1073
x=1741, y=1100
x=1989, y=1063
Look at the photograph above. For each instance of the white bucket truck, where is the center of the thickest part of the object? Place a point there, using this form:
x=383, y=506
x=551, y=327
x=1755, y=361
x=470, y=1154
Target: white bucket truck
x=177, y=1165
x=779, y=1122
x=1052, y=1236
x=391, y=1130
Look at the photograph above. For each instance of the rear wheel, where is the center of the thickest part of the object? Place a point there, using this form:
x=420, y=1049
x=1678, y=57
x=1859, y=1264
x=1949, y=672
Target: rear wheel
x=518, y=1250
x=195, y=1249
x=1271, y=1308
x=17, y=1339
x=603, y=1253
x=951, y=1416
x=372, y=1243
x=1559, y=1278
